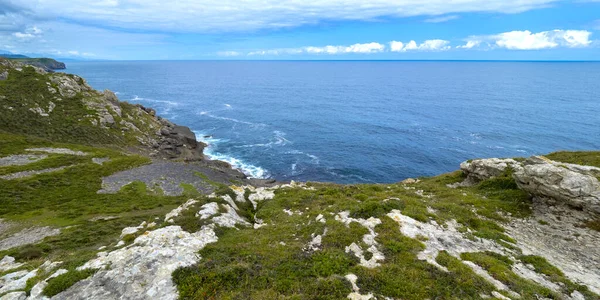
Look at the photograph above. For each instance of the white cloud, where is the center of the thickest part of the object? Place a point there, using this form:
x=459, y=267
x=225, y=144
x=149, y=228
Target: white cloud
x=331, y=50
x=396, y=46
x=229, y=53
x=527, y=40
x=29, y=33
x=235, y=15
x=428, y=45
x=356, y=48
x=442, y=19
x=470, y=44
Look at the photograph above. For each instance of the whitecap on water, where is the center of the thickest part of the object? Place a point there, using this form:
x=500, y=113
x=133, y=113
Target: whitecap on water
x=246, y=168
x=314, y=158
x=208, y=114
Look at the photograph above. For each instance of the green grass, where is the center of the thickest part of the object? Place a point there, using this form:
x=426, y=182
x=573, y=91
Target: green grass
x=499, y=267
x=253, y=264
x=587, y=158
x=542, y=266
x=71, y=120
x=69, y=199
x=62, y=282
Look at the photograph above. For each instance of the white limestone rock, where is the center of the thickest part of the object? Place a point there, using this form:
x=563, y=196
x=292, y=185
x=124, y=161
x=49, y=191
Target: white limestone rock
x=8, y=263
x=559, y=184
x=57, y=151
x=208, y=210
x=15, y=281
x=481, y=169
x=368, y=239
x=230, y=218
x=14, y=296
x=142, y=270
x=175, y=212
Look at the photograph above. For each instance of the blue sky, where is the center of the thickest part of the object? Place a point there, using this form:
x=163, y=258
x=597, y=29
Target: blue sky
x=303, y=29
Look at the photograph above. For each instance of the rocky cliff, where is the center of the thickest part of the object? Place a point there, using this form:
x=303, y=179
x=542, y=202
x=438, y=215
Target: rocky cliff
x=47, y=64
x=63, y=107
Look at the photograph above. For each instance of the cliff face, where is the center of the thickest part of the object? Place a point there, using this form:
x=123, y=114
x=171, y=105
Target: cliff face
x=47, y=64
x=63, y=107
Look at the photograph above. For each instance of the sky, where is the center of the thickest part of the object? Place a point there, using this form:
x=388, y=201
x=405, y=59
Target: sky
x=302, y=29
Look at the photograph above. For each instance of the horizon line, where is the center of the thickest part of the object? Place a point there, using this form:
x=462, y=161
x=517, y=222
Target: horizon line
x=326, y=60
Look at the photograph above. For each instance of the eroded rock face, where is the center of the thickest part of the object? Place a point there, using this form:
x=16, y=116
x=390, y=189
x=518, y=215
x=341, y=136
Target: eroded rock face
x=142, y=270
x=556, y=183
x=482, y=169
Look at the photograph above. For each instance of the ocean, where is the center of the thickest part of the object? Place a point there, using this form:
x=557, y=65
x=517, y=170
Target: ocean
x=364, y=121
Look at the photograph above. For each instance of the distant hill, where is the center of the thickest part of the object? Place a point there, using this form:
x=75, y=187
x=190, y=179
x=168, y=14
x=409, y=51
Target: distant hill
x=47, y=64
x=12, y=56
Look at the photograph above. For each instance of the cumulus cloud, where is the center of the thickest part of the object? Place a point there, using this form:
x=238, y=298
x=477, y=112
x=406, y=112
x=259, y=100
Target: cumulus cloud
x=234, y=15
x=356, y=48
x=365, y=48
x=29, y=33
x=229, y=53
x=527, y=40
x=442, y=19
x=428, y=45
x=470, y=44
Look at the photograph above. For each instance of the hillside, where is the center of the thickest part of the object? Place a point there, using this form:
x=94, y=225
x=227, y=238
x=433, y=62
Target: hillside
x=48, y=64
x=102, y=199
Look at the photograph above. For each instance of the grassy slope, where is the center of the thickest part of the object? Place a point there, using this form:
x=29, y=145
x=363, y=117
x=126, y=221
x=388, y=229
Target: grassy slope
x=45, y=62
x=69, y=198
x=251, y=264
x=70, y=121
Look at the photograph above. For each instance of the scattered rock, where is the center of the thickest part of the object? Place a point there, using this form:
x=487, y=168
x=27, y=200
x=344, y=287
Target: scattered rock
x=368, y=239
x=142, y=270
x=175, y=212
x=208, y=210
x=20, y=159
x=409, y=181
x=15, y=281
x=8, y=263
x=355, y=295
x=57, y=151
x=14, y=296
x=28, y=236
x=230, y=218
x=26, y=174
x=563, y=242
x=38, y=289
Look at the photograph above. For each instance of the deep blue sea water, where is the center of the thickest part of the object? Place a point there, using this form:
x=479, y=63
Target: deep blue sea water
x=364, y=121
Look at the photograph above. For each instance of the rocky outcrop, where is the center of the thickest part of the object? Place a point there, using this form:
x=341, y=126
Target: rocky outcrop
x=48, y=64
x=558, y=183
x=177, y=142
x=549, y=181
x=482, y=169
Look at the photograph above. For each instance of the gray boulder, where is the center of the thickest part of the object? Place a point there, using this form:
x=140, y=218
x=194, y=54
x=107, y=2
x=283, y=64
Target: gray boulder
x=558, y=183
x=482, y=169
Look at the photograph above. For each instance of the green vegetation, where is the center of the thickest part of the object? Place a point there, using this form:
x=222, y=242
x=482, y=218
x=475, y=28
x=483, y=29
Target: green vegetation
x=588, y=158
x=71, y=120
x=274, y=263
x=69, y=198
x=500, y=268
x=44, y=63
x=64, y=281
